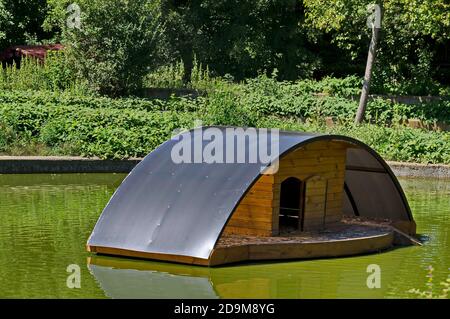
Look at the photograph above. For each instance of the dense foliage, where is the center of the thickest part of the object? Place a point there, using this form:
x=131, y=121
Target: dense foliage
x=255, y=63
x=262, y=96
x=330, y=97
x=121, y=40
x=54, y=75
x=414, y=35
x=241, y=37
x=114, y=46
x=86, y=131
x=21, y=22
x=62, y=123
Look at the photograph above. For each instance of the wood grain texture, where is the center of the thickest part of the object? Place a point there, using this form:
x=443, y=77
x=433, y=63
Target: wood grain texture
x=146, y=255
x=305, y=250
x=322, y=164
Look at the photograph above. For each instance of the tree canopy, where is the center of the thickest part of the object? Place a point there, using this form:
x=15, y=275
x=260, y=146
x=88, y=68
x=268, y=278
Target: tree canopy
x=21, y=22
x=295, y=38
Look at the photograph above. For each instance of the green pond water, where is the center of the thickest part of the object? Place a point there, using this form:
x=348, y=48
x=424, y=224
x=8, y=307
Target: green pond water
x=45, y=221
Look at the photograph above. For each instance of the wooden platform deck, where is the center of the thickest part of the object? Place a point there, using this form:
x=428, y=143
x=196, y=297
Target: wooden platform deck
x=343, y=239
x=346, y=238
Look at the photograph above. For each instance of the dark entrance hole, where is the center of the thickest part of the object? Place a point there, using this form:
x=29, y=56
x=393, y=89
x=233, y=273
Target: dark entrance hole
x=291, y=204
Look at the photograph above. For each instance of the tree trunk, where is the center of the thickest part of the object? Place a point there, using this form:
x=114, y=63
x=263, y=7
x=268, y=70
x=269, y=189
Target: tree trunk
x=367, y=76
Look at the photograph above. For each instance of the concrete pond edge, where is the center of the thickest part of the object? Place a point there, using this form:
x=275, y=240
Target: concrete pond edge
x=75, y=164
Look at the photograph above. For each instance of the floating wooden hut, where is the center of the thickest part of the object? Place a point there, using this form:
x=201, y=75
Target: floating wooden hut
x=322, y=196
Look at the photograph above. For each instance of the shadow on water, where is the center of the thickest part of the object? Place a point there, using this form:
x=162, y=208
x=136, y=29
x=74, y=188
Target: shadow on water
x=123, y=278
x=330, y=278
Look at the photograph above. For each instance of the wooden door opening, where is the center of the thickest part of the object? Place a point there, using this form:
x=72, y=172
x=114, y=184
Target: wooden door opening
x=292, y=194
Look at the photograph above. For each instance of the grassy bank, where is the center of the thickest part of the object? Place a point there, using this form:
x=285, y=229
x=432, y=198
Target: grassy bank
x=51, y=123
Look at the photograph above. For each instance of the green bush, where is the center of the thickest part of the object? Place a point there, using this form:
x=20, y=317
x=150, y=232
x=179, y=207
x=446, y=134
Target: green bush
x=259, y=97
x=166, y=76
x=171, y=76
x=42, y=98
x=40, y=123
x=266, y=96
x=115, y=46
x=339, y=87
x=223, y=106
x=396, y=144
x=53, y=75
x=7, y=136
x=103, y=132
x=60, y=122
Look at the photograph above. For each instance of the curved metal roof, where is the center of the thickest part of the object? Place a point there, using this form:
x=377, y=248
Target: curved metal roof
x=181, y=209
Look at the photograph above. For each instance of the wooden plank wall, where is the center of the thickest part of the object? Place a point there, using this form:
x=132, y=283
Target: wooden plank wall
x=257, y=214
x=318, y=164
x=254, y=215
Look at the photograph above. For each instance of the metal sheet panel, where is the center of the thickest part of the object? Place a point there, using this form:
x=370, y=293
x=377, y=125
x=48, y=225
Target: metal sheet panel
x=375, y=195
x=181, y=209
x=359, y=157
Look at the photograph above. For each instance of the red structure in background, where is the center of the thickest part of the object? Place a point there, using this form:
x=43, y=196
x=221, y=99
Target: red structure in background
x=15, y=54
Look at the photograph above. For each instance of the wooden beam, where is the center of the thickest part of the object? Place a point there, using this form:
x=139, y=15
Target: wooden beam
x=146, y=255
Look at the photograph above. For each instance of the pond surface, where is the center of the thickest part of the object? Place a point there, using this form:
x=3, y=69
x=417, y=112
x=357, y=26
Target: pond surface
x=45, y=221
